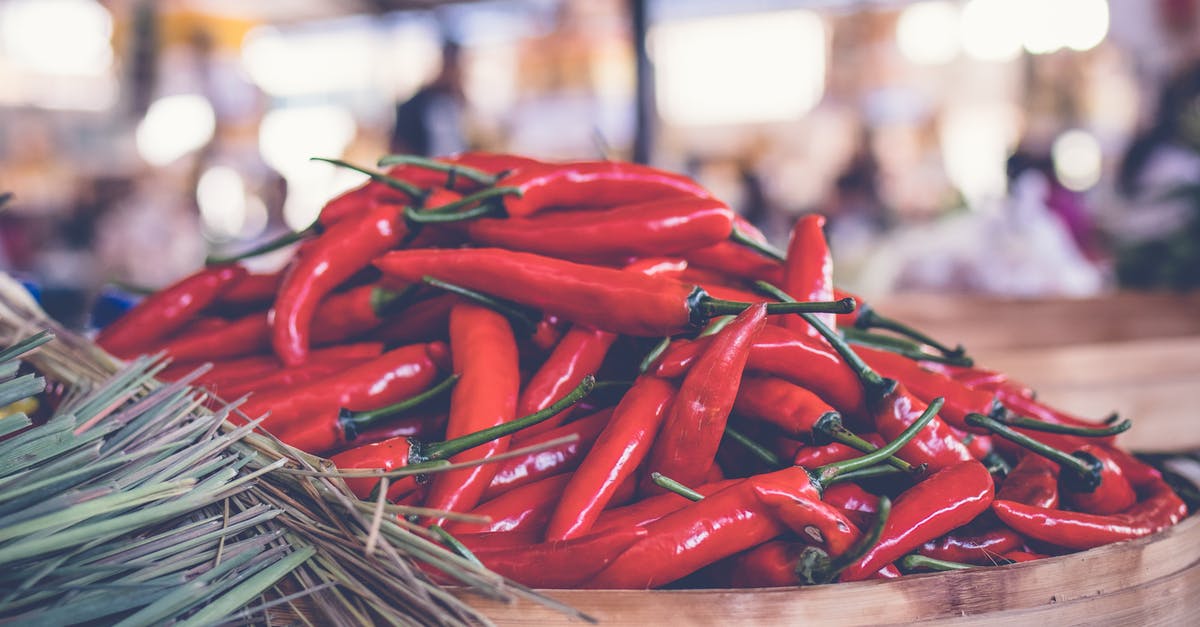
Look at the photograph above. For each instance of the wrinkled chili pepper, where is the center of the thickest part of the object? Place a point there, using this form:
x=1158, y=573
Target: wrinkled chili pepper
x=580, y=352
x=323, y=264
x=1033, y=481
x=602, y=298
x=692, y=428
x=400, y=452
x=944, y=501
x=661, y=227
x=808, y=270
x=518, y=471
x=484, y=353
x=559, y=564
x=619, y=449
x=168, y=310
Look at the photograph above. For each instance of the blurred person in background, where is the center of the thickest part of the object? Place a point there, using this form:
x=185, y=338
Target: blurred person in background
x=431, y=121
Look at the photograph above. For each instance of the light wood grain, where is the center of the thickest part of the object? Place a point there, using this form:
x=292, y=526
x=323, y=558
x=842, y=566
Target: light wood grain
x=1154, y=580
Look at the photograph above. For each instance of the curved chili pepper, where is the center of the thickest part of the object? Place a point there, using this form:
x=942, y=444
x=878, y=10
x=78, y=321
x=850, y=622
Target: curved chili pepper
x=1033, y=481
x=167, y=311
x=619, y=449
x=1025, y=406
x=855, y=503
x=312, y=371
x=980, y=543
x=344, y=249
x=580, y=352
x=592, y=184
x=252, y=289
x=1114, y=494
x=927, y=385
x=370, y=194
x=736, y=260
x=419, y=322
x=660, y=227
x=692, y=429
x=795, y=410
x=802, y=360
x=1159, y=508
x=399, y=452
x=832, y=453
x=515, y=472
x=421, y=426
x=526, y=508
x=1024, y=556
x=238, y=371
x=390, y=378
x=944, y=501
x=808, y=270
x=561, y=564
x=768, y=565
x=603, y=298
x=653, y=508
x=484, y=354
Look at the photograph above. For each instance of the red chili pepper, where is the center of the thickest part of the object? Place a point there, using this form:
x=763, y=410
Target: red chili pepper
x=1025, y=406
x=1114, y=494
x=977, y=543
x=768, y=565
x=592, y=184
x=798, y=505
x=167, y=311
x=392, y=377
x=1138, y=472
x=370, y=195
x=252, y=289
x=944, y=501
x=526, y=508
x=484, y=354
x=808, y=270
x=651, y=228
x=927, y=385
x=1024, y=556
x=695, y=424
x=563, y=564
x=791, y=408
x=619, y=449
x=602, y=298
x=421, y=321
x=735, y=259
x=579, y=353
x=832, y=453
x=322, y=265
x=854, y=502
x=1159, y=508
x=805, y=361
x=653, y=508
x=310, y=372
x=422, y=426
x=1033, y=481
x=238, y=371
x=515, y=472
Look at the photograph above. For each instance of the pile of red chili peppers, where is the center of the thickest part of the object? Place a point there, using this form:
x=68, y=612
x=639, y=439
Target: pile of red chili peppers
x=688, y=422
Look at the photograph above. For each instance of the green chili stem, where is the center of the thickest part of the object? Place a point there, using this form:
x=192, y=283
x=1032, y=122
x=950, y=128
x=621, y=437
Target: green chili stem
x=454, y=545
x=758, y=450
x=866, y=542
x=868, y=318
x=1033, y=424
x=672, y=485
x=829, y=426
x=517, y=315
x=390, y=181
x=354, y=423
x=713, y=307
x=739, y=236
x=434, y=214
x=414, y=216
x=829, y=471
x=453, y=169
x=870, y=473
x=1086, y=473
x=656, y=352
x=714, y=327
x=875, y=386
x=449, y=448
x=385, y=301
x=287, y=239
x=900, y=346
x=915, y=561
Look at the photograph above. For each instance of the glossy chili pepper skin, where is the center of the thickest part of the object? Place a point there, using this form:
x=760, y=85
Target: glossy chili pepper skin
x=1025, y=406
x=243, y=369
x=252, y=289
x=619, y=450
x=1114, y=494
x=973, y=546
x=797, y=504
x=310, y=372
x=808, y=270
x=600, y=298
x=1033, y=481
x=591, y=185
x=661, y=227
x=650, y=509
x=928, y=385
x=424, y=427
x=322, y=265
x=692, y=429
x=1159, y=508
x=768, y=565
x=562, y=564
x=526, y=508
x=164, y=312
x=1024, y=556
x=388, y=455
x=484, y=354
x=832, y=453
x=936, y=446
x=805, y=361
x=515, y=472
x=934, y=507
x=313, y=409
x=786, y=405
x=579, y=353
x=419, y=322
x=855, y=503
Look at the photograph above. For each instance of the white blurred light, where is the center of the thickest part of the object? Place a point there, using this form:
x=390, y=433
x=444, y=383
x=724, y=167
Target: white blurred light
x=60, y=37
x=927, y=32
x=307, y=63
x=175, y=126
x=991, y=30
x=1087, y=24
x=1077, y=159
x=975, y=143
x=288, y=138
x=221, y=195
x=739, y=69
x=1051, y=25
x=1042, y=28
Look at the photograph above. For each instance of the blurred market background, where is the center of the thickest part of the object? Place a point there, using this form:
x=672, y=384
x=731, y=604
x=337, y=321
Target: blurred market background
x=1008, y=147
